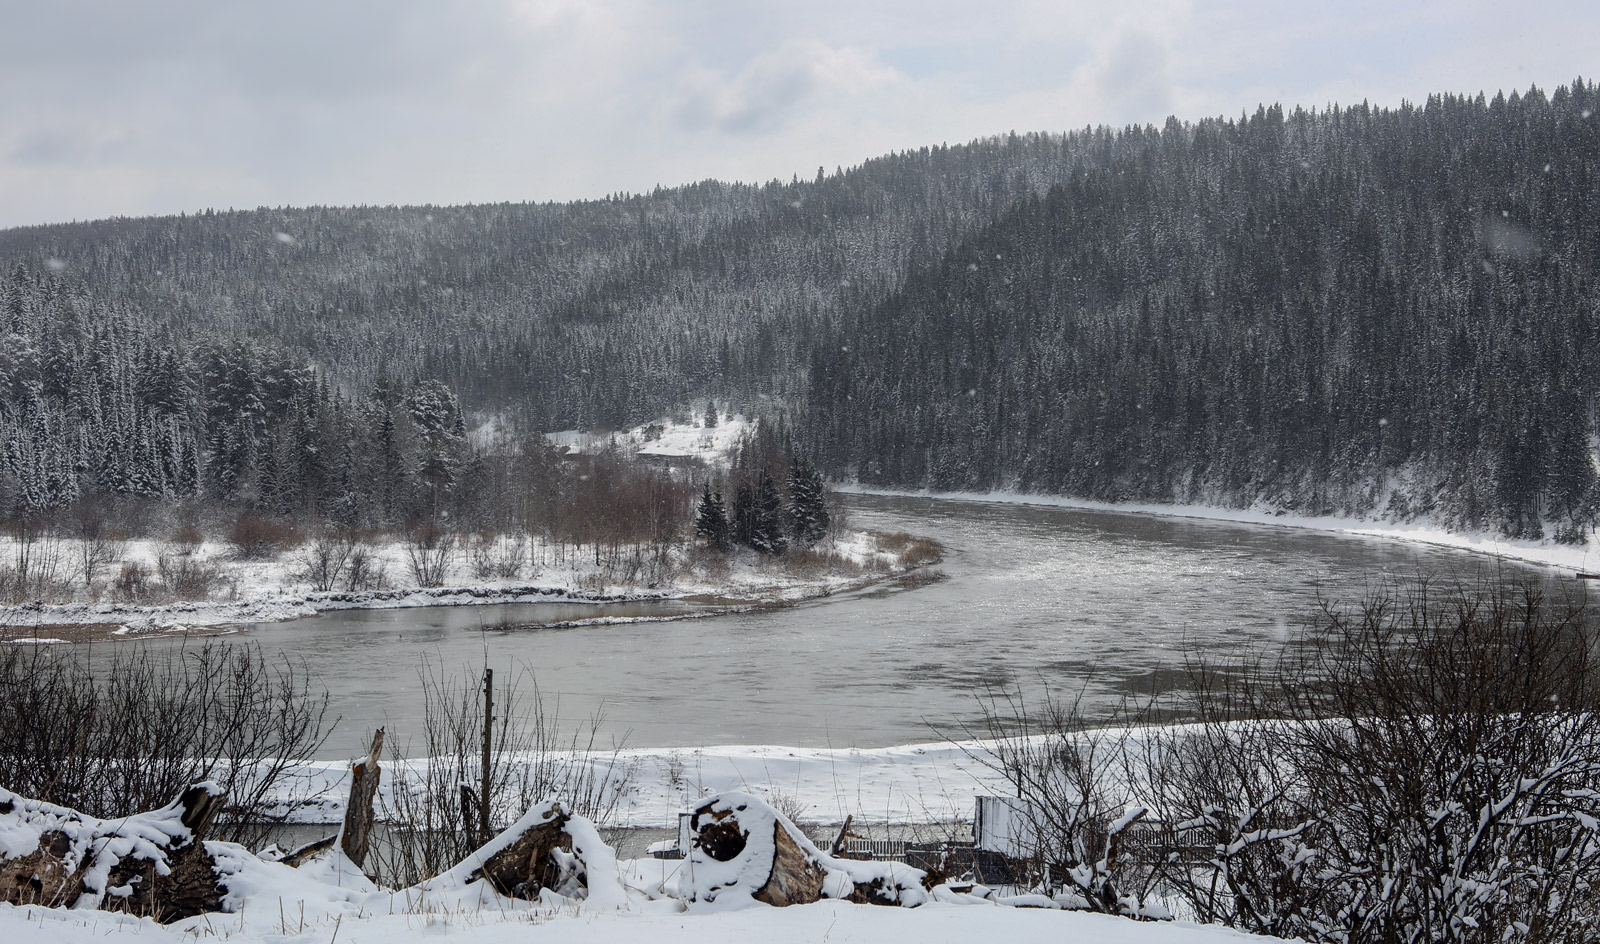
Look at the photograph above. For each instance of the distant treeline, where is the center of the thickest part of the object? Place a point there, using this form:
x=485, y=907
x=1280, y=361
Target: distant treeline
x=1350, y=311
x=107, y=412
x=1361, y=310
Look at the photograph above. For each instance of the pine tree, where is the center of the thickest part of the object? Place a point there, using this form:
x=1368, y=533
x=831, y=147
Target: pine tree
x=766, y=533
x=808, y=504
x=744, y=515
x=711, y=522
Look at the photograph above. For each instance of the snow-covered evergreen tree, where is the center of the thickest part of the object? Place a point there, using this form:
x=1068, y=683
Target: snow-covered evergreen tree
x=808, y=503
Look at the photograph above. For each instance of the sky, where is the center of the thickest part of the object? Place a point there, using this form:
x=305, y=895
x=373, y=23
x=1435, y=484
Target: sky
x=136, y=107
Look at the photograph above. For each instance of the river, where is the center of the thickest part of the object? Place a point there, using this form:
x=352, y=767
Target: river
x=1029, y=599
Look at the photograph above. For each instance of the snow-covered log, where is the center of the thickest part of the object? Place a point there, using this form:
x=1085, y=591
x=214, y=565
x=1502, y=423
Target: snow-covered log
x=744, y=850
x=151, y=863
x=548, y=849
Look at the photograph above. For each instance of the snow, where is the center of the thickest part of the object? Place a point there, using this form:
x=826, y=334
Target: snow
x=1577, y=557
x=932, y=785
x=629, y=900
x=832, y=921
x=665, y=438
x=712, y=885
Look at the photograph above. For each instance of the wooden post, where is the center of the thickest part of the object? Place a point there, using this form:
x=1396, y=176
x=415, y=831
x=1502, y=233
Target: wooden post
x=355, y=837
x=488, y=743
x=837, y=849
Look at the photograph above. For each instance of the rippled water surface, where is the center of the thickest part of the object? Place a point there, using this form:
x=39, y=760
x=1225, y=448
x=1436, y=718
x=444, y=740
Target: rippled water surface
x=1031, y=598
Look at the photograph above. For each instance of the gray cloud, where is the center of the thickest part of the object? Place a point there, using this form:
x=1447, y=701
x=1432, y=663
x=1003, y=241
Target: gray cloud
x=111, y=106
x=1135, y=79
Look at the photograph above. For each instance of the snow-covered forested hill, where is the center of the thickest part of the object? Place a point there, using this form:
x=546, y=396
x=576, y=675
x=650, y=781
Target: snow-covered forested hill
x=1362, y=311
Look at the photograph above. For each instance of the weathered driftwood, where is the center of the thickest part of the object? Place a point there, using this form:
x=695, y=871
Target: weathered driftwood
x=524, y=864
x=355, y=837
x=547, y=850
x=741, y=845
x=297, y=857
x=153, y=863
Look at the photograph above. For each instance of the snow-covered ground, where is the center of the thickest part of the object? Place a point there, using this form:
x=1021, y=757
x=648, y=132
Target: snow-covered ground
x=657, y=922
x=330, y=901
x=1577, y=557
x=713, y=445
x=915, y=784
x=247, y=591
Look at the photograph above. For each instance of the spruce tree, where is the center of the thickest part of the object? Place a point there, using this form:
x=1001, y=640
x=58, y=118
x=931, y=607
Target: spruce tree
x=808, y=504
x=711, y=522
x=766, y=533
x=744, y=515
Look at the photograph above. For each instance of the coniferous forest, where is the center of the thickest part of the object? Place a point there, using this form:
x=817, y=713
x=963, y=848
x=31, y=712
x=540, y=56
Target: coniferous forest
x=1349, y=310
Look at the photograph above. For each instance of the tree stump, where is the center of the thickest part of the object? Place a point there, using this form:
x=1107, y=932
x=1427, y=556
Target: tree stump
x=355, y=838
x=527, y=862
x=741, y=845
x=153, y=863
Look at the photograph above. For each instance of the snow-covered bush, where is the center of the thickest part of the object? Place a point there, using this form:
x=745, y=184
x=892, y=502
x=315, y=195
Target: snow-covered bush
x=132, y=732
x=1425, y=769
x=1079, y=806
x=1429, y=771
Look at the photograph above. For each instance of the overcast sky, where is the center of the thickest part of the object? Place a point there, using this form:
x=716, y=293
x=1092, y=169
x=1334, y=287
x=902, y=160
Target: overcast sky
x=156, y=106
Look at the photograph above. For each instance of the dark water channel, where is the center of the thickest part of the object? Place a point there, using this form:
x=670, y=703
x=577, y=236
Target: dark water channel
x=1031, y=598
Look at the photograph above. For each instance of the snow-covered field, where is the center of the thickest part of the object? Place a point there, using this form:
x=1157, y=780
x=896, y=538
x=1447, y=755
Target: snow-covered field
x=1576, y=557
x=713, y=445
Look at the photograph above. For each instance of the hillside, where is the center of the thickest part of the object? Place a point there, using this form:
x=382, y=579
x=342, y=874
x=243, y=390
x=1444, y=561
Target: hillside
x=1377, y=312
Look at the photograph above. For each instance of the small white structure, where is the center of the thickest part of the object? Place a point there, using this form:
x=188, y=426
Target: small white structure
x=1005, y=825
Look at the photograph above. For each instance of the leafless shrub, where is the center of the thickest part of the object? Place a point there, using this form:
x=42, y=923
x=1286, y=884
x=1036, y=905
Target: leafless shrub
x=1429, y=770
x=1077, y=805
x=791, y=806
x=133, y=583
x=187, y=539
x=492, y=556
x=132, y=733
x=98, y=543
x=325, y=560
x=39, y=568
x=430, y=550
x=187, y=577
x=432, y=806
x=1426, y=769
x=254, y=537
x=364, y=570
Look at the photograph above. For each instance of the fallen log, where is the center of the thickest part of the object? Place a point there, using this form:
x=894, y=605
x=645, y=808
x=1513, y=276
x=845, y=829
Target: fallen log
x=315, y=847
x=548, y=850
x=742, y=846
x=153, y=864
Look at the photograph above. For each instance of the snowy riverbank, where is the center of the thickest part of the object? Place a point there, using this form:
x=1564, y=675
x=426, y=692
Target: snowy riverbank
x=931, y=784
x=1574, y=557
x=253, y=591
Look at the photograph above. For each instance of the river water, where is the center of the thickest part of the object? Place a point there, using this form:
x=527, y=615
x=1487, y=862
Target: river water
x=1029, y=599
